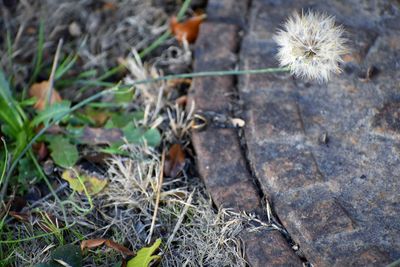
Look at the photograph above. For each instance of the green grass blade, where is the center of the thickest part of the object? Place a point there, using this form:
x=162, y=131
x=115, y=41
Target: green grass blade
x=3, y=171
x=183, y=9
x=9, y=112
x=9, y=50
x=65, y=66
x=38, y=58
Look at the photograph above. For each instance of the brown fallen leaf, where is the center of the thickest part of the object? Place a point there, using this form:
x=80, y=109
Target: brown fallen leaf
x=187, y=30
x=99, y=117
x=20, y=216
x=95, y=156
x=109, y=6
x=175, y=161
x=40, y=91
x=118, y=247
x=182, y=100
x=93, y=243
x=98, y=136
x=41, y=150
x=178, y=82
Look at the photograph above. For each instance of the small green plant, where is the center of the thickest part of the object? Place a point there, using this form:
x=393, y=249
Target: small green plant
x=145, y=256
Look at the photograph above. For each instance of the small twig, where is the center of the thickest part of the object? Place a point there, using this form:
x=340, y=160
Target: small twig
x=160, y=182
x=53, y=71
x=180, y=220
x=18, y=36
x=159, y=103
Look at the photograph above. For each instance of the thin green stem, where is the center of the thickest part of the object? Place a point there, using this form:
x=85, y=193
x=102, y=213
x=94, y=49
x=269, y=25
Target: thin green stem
x=394, y=264
x=184, y=8
x=160, y=40
x=3, y=171
x=190, y=75
x=35, y=237
x=86, y=211
x=44, y=177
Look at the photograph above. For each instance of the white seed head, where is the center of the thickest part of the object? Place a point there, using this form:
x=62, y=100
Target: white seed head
x=311, y=45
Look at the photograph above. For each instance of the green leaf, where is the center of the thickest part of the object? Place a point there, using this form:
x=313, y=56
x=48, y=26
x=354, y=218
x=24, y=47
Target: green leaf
x=123, y=96
x=63, y=152
x=145, y=256
x=138, y=135
x=26, y=172
x=65, y=66
x=28, y=102
x=54, y=112
x=92, y=183
x=69, y=254
x=121, y=120
x=114, y=150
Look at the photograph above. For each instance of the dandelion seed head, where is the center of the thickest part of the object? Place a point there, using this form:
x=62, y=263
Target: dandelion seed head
x=311, y=45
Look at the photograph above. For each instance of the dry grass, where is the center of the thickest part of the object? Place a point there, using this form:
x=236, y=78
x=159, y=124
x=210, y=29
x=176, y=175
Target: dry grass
x=107, y=31
x=194, y=226
x=193, y=232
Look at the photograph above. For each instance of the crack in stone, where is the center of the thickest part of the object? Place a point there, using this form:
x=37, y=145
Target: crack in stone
x=244, y=149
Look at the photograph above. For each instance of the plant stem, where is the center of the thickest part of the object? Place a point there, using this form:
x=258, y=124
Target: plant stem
x=189, y=75
x=44, y=177
x=394, y=264
x=36, y=236
x=3, y=172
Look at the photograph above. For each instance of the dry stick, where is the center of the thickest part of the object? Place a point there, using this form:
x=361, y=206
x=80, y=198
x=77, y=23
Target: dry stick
x=53, y=71
x=160, y=182
x=180, y=220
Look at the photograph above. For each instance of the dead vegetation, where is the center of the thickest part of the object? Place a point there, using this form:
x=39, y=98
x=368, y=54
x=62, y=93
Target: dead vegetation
x=139, y=204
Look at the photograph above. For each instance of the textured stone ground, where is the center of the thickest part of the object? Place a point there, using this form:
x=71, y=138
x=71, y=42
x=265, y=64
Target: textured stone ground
x=327, y=156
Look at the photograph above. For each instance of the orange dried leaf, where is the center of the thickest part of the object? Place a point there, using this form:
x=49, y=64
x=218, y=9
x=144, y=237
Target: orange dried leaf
x=41, y=150
x=178, y=82
x=187, y=30
x=110, y=6
x=24, y=217
x=118, y=247
x=175, y=161
x=181, y=101
x=40, y=91
x=92, y=243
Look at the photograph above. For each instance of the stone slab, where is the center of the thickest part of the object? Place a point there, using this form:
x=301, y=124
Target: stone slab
x=338, y=198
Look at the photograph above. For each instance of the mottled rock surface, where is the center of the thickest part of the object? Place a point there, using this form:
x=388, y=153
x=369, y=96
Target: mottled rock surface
x=326, y=155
